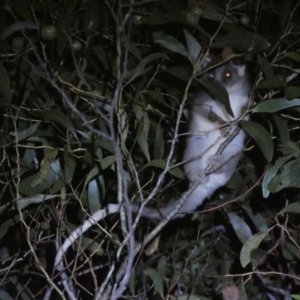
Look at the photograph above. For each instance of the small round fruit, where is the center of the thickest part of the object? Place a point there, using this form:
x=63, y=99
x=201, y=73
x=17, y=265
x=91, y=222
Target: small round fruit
x=76, y=46
x=244, y=20
x=48, y=33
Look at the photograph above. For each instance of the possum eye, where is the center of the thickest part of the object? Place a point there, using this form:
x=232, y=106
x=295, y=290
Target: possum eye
x=227, y=74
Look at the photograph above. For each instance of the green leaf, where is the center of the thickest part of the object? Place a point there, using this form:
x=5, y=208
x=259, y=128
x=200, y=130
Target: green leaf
x=157, y=19
x=58, y=117
x=91, y=20
x=288, y=178
x=218, y=92
x=282, y=129
x=252, y=243
x=272, y=173
x=180, y=72
x=29, y=153
x=46, y=165
x=107, y=161
x=102, y=55
x=94, y=172
x=134, y=49
x=290, y=147
x=175, y=278
x=161, y=266
x=274, y=105
x=23, y=293
x=140, y=68
x=25, y=133
x=16, y=27
x=69, y=165
x=24, y=202
x=170, y=43
x=87, y=158
x=123, y=125
x=194, y=48
x=292, y=92
x=106, y=144
x=159, y=143
x=4, y=207
x=5, y=91
x=296, y=297
x=261, y=137
x=213, y=14
x=293, y=55
x=5, y=295
x=93, y=196
x=157, y=281
x=92, y=245
x=132, y=281
x=53, y=175
x=257, y=218
x=139, y=111
x=156, y=96
x=65, y=20
x=273, y=82
x=291, y=208
x=243, y=295
x=85, y=135
x=242, y=40
x=240, y=227
x=266, y=66
x=142, y=135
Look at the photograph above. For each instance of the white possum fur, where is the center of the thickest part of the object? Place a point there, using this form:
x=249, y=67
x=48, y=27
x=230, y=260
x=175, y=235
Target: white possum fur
x=209, y=127
x=206, y=135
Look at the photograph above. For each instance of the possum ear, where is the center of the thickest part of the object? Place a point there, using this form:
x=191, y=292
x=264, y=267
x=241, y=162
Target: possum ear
x=238, y=61
x=227, y=53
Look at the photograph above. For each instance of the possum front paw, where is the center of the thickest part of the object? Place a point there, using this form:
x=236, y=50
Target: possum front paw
x=197, y=175
x=215, y=162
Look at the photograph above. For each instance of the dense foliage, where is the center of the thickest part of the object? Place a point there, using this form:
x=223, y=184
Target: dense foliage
x=93, y=98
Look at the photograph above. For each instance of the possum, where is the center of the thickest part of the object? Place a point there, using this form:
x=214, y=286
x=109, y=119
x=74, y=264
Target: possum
x=210, y=126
